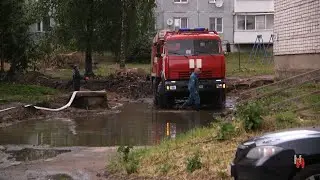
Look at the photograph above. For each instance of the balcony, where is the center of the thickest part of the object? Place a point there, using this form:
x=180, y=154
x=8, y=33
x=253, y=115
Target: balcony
x=249, y=25
x=253, y=6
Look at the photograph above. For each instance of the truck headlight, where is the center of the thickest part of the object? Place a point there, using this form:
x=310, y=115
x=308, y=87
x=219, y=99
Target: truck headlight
x=263, y=151
x=219, y=86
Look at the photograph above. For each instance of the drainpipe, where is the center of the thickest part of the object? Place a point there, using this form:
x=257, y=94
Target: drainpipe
x=234, y=22
x=198, y=13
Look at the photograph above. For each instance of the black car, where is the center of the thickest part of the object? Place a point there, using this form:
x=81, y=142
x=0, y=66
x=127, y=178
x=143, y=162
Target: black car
x=292, y=154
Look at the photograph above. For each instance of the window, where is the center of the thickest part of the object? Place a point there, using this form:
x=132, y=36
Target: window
x=39, y=26
x=250, y=22
x=255, y=22
x=180, y=1
x=193, y=46
x=260, y=22
x=180, y=23
x=241, y=22
x=216, y=24
x=270, y=20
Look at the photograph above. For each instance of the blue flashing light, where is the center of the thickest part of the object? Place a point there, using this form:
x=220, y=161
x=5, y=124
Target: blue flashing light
x=199, y=29
x=192, y=30
x=184, y=29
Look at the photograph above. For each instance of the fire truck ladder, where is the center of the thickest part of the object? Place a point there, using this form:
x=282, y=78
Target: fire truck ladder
x=257, y=47
x=269, y=56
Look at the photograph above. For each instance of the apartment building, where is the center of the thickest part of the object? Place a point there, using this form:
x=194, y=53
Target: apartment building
x=297, y=31
x=252, y=18
x=213, y=14
x=39, y=29
x=42, y=26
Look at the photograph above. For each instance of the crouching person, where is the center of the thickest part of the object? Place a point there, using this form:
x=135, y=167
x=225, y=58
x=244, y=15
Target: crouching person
x=76, y=78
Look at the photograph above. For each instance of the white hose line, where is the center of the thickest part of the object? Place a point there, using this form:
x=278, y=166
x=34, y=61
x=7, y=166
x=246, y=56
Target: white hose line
x=61, y=108
x=49, y=109
x=3, y=110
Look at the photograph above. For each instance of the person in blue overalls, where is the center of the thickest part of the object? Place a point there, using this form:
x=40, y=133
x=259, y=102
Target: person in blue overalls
x=193, y=87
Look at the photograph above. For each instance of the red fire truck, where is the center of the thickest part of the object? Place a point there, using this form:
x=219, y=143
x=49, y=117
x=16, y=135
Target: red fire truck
x=175, y=54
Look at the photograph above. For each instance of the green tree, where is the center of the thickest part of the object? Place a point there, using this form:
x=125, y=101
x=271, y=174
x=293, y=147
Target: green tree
x=16, y=46
x=101, y=25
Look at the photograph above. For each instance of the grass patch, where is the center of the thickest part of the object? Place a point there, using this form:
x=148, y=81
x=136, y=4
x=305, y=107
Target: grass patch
x=286, y=101
x=25, y=93
x=286, y=117
x=247, y=69
x=198, y=154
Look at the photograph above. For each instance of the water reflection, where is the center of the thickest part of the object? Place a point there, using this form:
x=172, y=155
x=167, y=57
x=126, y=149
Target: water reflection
x=137, y=124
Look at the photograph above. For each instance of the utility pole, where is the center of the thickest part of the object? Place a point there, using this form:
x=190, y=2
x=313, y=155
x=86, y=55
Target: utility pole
x=2, y=54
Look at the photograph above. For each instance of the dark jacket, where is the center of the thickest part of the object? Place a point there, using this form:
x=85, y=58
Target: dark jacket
x=76, y=74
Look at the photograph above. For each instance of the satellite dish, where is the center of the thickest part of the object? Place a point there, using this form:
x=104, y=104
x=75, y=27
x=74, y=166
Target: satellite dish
x=169, y=22
x=219, y=3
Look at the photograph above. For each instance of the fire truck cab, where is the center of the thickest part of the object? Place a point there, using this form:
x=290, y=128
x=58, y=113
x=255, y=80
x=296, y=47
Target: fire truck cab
x=175, y=55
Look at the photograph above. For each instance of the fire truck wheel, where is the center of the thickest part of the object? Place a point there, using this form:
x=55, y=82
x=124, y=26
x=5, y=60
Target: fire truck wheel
x=217, y=101
x=221, y=100
x=309, y=172
x=155, y=90
x=161, y=96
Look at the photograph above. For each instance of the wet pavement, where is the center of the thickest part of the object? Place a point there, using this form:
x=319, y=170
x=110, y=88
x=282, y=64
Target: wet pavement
x=82, y=163
x=135, y=124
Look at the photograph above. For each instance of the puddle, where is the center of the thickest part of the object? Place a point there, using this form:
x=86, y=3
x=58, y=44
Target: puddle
x=59, y=177
x=137, y=124
x=28, y=154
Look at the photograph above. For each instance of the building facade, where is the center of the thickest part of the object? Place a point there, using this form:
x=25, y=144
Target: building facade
x=39, y=29
x=297, y=32
x=213, y=14
x=252, y=18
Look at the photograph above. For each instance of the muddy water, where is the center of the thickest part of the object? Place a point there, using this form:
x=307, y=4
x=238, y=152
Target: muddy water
x=134, y=124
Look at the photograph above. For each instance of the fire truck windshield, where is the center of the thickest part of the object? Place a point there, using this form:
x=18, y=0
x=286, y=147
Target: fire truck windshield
x=193, y=47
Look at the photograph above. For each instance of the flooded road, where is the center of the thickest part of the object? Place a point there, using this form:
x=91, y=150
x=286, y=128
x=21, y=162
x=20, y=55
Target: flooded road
x=136, y=124
x=79, y=148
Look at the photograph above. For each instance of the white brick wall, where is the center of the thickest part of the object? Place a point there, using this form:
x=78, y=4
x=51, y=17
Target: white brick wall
x=297, y=27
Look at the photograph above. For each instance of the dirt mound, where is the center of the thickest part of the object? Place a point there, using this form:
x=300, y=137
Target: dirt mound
x=37, y=78
x=65, y=60
x=128, y=83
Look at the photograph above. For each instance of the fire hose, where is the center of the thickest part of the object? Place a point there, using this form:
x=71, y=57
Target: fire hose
x=50, y=109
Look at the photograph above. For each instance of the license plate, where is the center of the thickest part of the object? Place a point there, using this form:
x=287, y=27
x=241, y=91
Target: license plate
x=201, y=86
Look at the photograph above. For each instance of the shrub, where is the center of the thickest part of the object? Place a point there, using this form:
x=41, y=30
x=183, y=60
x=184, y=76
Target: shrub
x=225, y=131
x=251, y=115
x=124, y=152
x=131, y=166
x=128, y=160
x=194, y=163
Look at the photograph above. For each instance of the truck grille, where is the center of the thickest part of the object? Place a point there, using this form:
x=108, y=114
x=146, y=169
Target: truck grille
x=184, y=75
x=204, y=74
